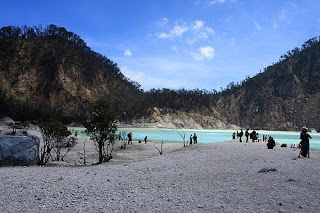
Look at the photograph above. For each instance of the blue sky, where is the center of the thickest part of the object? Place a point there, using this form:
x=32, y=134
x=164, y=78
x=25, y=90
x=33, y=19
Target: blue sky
x=189, y=44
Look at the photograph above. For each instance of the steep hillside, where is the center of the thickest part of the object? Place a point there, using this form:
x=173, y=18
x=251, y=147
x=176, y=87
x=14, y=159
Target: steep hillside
x=52, y=70
x=285, y=96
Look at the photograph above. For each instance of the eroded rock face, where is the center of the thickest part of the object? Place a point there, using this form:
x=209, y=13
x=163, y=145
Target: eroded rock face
x=19, y=150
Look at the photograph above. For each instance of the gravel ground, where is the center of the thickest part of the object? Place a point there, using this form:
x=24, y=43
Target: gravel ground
x=218, y=177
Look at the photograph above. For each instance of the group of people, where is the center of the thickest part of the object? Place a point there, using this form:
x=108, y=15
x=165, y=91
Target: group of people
x=304, y=144
x=254, y=136
x=193, y=138
x=130, y=138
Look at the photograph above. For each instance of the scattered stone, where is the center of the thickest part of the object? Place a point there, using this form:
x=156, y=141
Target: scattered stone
x=264, y=170
x=291, y=180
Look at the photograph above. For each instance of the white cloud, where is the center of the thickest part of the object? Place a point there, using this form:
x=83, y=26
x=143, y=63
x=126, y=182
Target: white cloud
x=217, y=1
x=198, y=24
x=128, y=53
x=135, y=76
x=176, y=31
x=196, y=2
x=153, y=81
x=200, y=32
x=258, y=26
x=195, y=31
x=209, y=30
x=175, y=49
x=164, y=20
x=206, y=52
x=164, y=35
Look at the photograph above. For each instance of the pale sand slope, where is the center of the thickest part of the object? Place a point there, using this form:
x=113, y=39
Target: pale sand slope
x=218, y=177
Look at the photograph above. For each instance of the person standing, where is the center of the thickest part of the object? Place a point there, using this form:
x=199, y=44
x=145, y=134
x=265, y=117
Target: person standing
x=240, y=135
x=130, y=137
x=145, y=139
x=191, y=139
x=195, y=138
x=247, y=135
x=304, y=136
x=254, y=136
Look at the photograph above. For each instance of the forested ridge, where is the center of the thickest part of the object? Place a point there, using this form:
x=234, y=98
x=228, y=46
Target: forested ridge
x=52, y=71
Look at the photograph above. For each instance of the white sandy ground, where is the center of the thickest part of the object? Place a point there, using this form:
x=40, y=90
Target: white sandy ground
x=217, y=177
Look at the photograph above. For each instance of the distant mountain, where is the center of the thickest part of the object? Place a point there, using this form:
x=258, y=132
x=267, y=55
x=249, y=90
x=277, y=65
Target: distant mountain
x=51, y=70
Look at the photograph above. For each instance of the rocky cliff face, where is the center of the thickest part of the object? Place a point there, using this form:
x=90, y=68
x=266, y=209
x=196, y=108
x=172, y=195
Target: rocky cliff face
x=53, y=71
x=168, y=118
x=283, y=97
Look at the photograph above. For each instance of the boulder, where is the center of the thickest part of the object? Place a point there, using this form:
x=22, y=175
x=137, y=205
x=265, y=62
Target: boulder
x=19, y=150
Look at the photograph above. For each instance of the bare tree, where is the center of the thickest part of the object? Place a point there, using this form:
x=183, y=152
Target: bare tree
x=123, y=138
x=160, y=150
x=62, y=142
x=84, y=152
x=183, y=136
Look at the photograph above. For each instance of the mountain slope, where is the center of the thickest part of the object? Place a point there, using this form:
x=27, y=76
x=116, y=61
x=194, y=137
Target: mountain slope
x=285, y=96
x=51, y=70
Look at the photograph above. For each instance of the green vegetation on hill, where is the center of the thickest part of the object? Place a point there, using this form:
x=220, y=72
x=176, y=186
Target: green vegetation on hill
x=52, y=71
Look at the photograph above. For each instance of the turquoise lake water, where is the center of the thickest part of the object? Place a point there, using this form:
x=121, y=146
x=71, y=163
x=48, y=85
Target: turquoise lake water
x=210, y=136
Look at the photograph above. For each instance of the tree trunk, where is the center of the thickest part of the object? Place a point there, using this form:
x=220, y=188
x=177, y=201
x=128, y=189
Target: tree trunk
x=100, y=152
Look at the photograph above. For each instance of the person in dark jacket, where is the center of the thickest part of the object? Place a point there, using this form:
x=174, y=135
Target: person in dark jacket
x=271, y=143
x=304, y=137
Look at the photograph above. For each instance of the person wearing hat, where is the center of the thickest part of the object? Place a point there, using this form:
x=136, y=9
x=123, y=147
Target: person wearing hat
x=304, y=136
